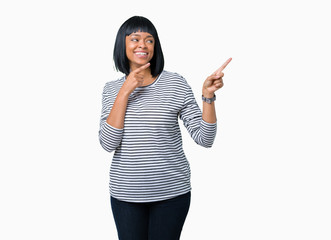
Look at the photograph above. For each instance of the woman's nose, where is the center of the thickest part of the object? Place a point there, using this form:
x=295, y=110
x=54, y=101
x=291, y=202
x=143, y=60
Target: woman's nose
x=142, y=44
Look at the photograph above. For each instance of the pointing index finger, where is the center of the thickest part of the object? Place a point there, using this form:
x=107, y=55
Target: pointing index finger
x=218, y=71
x=142, y=67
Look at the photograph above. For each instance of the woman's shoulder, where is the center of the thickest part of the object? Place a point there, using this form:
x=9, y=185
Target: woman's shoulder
x=171, y=74
x=114, y=85
x=174, y=77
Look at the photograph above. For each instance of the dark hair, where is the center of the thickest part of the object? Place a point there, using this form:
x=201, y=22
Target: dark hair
x=132, y=25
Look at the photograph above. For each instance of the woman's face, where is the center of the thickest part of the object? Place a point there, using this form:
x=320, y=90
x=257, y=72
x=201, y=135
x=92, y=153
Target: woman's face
x=139, y=49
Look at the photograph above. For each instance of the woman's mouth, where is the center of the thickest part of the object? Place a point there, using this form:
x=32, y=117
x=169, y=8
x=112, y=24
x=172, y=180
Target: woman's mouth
x=141, y=54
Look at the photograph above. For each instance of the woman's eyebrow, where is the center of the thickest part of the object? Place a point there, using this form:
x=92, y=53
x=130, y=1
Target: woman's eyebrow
x=137, y=34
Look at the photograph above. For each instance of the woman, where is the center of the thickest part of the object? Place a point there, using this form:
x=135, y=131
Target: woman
x=150, y=175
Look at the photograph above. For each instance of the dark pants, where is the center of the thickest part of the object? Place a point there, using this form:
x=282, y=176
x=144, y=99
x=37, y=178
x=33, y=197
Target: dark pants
x=161, y=220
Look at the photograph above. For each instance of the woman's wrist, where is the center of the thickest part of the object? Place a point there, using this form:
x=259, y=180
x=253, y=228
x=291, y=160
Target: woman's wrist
x=124, y=92
x=207, y=94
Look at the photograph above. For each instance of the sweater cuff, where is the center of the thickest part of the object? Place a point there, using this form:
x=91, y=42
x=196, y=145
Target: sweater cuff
x=208, y=132
x=207, y=124
x=113, y=128
x=110, y=137
x=208, y=127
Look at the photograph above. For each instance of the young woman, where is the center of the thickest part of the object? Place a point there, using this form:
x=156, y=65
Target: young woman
x=150, y=175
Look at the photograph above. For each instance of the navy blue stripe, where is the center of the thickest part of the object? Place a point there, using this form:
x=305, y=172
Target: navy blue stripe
x=149, y=163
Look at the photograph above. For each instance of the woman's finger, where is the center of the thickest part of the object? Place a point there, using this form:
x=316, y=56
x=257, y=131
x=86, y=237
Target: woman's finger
x=218, y=82
x=213, y=77
x=139, y=76
x=219, y=76
x=218, y=71
x=142, y=68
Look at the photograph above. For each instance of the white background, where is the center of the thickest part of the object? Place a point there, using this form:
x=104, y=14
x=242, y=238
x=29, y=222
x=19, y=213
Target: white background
x=268, y=173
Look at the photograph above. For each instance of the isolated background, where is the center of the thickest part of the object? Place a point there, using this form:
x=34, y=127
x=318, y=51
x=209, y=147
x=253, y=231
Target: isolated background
x=268, y=173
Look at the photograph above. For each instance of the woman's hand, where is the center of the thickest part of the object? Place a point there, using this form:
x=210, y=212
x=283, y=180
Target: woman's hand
x=134, y=79
x=214, y=81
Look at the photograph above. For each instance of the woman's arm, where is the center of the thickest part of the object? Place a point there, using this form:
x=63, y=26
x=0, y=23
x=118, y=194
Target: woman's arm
x=202, y=132
x=110, y=137
x=208, y=110
x=212, y=84
x=113, y=115
x=117, y=114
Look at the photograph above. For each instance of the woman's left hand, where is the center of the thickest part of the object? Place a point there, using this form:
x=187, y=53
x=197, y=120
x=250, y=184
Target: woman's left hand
x=214, y=81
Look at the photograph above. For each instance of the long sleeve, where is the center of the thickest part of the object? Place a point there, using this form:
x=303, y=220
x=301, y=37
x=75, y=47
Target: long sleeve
x=202, y=133
x=109, y=136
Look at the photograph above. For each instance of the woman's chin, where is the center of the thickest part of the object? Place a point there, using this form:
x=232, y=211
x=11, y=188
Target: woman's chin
x=140, y=63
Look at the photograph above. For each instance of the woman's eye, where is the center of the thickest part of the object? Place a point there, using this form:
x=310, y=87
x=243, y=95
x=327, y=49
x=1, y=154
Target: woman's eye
x=134, y=40
x=150, y=41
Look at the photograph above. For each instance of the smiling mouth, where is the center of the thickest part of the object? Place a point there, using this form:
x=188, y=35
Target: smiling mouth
x=141, y=53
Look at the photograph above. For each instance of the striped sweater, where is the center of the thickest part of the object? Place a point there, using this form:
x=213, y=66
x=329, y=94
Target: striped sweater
x=149, y=163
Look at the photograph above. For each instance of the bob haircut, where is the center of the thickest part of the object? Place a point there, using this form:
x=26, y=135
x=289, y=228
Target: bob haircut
x=132, y=25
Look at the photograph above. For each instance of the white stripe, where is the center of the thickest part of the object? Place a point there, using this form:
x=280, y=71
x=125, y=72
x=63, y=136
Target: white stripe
x=149, y=163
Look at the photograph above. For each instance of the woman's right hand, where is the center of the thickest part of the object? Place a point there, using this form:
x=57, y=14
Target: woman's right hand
x=134, y=79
